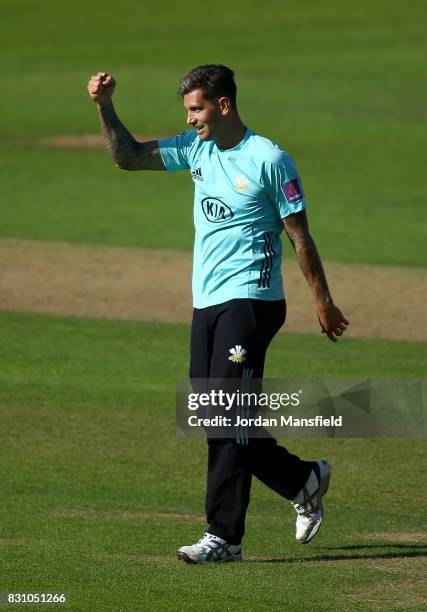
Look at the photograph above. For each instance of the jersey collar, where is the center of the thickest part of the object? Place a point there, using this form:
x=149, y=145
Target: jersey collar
x=238, y=146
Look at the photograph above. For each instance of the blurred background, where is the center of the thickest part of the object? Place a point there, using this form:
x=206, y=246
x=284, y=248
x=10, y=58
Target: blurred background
x=341, y=87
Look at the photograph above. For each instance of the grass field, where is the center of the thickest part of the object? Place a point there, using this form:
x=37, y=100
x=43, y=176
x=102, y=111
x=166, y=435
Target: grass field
x=97, y=491
x=342, y=88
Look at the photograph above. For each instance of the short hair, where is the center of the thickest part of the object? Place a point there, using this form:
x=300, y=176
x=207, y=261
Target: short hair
x=215, y=80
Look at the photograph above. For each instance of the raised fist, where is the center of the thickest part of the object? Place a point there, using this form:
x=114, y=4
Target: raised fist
x=101, y=87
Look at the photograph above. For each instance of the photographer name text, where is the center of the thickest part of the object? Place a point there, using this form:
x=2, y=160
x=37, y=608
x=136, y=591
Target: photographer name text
x=260, y=421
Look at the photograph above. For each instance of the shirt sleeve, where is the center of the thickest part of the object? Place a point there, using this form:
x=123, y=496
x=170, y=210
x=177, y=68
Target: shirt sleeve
x=283, y=185
x=176, y=151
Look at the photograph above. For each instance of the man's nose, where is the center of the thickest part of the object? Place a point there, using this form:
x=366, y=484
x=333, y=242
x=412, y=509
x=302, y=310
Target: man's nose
x=190, y=119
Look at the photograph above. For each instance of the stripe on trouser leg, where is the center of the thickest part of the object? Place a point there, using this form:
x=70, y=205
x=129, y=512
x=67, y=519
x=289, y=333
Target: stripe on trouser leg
x=242, y=437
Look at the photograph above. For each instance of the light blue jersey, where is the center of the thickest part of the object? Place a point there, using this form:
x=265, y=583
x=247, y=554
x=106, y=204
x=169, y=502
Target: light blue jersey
x=241, y=196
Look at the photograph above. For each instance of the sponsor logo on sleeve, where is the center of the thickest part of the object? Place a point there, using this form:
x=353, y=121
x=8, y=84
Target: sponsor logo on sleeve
x=292, y=191
x=216, y=211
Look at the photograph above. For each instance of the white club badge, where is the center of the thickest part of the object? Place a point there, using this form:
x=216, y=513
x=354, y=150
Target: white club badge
x=237, y=354
x=241, y=183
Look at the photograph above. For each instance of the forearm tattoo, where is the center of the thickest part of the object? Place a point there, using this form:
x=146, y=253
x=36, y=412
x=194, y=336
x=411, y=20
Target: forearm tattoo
x=311, y=266
x=127, y=153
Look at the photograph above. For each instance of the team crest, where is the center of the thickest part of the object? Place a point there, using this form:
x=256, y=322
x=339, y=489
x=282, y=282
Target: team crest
x=241, y=183
x=237, y=354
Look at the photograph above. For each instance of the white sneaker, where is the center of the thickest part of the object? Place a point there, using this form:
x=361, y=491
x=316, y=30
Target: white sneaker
x=308, y=502
x=210, y=549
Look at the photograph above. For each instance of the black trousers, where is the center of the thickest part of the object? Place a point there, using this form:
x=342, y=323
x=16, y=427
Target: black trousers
x=250, y=324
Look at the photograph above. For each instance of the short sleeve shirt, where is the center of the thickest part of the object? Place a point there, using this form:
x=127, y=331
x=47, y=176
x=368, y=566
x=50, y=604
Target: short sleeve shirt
x=241, y=196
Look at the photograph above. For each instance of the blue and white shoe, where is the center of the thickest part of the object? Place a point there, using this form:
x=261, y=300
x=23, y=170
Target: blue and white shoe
x=308, y=502
x=210, y=549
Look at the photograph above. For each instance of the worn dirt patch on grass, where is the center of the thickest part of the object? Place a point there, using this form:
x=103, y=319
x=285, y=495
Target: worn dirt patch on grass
x=414, y=566
x=155, y=285
x=404, y=594
x=70, y=141
x=17, y=541
x=401, y=583
x=416, y=537
x=79, y=141
x=166, y=559
x=124, y=516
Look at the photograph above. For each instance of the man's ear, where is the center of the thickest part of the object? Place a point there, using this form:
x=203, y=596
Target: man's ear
x=224, y=105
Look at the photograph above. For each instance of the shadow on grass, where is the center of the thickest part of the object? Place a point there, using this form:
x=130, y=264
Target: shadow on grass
x=413, y=551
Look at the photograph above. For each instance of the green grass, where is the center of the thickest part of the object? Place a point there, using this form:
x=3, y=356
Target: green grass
x=79, y=196
x=93, y=478
x=342, y=88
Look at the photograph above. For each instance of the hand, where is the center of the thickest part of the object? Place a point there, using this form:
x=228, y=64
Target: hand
x=332, y=321
x=101, y=87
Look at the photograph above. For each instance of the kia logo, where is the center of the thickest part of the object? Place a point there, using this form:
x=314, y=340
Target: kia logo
x=216, y=211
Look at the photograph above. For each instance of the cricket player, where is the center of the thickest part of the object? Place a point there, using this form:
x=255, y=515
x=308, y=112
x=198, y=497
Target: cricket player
x=247, y=190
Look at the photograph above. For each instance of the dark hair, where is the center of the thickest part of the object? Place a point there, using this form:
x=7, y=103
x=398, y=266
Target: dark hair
x=215, y=80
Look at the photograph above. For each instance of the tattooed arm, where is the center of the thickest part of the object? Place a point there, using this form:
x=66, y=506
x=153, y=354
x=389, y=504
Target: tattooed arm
x=128, y=153
x=331, y=319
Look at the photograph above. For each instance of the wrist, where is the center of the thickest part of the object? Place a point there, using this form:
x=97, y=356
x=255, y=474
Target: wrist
x=101, y=104
x=324, y=303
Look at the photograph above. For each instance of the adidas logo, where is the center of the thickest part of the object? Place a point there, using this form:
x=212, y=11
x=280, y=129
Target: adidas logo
x=197, y=174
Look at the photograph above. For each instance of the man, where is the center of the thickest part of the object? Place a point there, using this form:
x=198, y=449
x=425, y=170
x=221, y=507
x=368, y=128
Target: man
x=246, y=190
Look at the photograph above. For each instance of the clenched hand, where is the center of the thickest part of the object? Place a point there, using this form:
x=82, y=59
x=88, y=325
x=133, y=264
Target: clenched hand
x=101, y=87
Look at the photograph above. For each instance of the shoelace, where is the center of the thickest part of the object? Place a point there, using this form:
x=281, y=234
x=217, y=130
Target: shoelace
x=302, y=511
x=211, y=547
x=208, y=538
x=308, y=507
